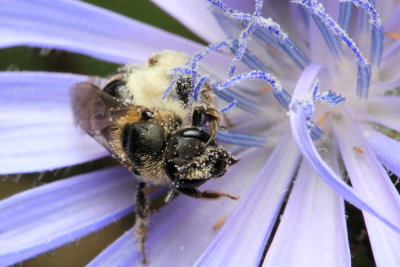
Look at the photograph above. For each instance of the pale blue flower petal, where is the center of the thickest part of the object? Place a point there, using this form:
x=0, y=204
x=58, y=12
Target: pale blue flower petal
x=389, y=11
x=312, y=230
x=37, y=130
x=386, y=86
x=370, y=180
x=310, y=153
x=83, y=28
x=367, y=118
x=255, y=217
x=386, y=149
x=49, y=216
x=243, y=6
x=183, y=229
x=390, y=69
x=389, y=53
x=196, y=16
x=346, y=12
x=385, y=109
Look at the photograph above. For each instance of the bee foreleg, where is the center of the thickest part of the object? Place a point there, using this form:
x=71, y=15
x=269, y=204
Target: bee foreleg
x=142, y=218
x=193, y=192
x=203, y=114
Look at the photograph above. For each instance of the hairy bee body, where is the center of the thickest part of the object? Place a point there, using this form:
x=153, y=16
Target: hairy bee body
x=161, y=139
x=130, y=117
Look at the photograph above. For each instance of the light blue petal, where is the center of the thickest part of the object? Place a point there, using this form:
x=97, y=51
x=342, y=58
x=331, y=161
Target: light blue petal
x=369, y=179
x=391, y=18
x=183, y=229
x=386, y=149
x=83, y=28
x=49, y=216
x=37, y=131
x=390, y=68
x=196, y=16
x=255, y=217
x=385, y=109
x=310, y=153
x=381, y=87
x=312, y=230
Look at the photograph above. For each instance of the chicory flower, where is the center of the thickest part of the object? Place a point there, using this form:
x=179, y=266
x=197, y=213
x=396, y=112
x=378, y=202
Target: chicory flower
x=322, y=73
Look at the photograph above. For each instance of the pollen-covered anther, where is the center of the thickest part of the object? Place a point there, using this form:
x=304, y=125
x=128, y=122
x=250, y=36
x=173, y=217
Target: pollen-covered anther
x=265, y=89
x=358, y=149
x=323, y=119
x=393, y=35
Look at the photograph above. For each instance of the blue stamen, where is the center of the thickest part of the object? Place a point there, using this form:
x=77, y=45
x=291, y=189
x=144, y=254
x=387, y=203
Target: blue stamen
x=267, y=25
x=376, y=28
x=221, y=6
x=315, y=131
x=231, y=105
x=364, y=78
x=281, y=41
x=248, y=58
x=198, y=87
x=258, y=9
x=331, y=98
x=308, y=105
x=240, y=139
x=294, y=52
x=265, y=36
x=185, y=71
x=281, y=94
x=377, y=44
x=272, y=27
x=243, y=38
x=202, y=54
x=345, y=13
x=244, y=103
x=226, y=23
x=330, y=39
x=170, y=86
x=304, y=15
x=241, y=47
x=315, y=91
x=364, y=72
x=226, y=94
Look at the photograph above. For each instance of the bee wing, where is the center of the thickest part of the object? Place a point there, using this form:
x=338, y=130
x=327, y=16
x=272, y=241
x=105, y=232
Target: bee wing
x=96, y=112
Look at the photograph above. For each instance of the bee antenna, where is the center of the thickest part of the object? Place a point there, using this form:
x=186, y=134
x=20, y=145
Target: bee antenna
x=172, y=189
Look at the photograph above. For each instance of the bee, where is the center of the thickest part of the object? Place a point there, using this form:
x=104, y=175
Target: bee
x=168, y=140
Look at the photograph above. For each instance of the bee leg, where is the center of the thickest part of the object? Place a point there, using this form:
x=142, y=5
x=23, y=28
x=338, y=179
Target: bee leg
x=203, y=114
x=142, y=218
x=193, y=192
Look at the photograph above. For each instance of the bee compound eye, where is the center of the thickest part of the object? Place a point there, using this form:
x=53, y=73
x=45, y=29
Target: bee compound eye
x=113, y=88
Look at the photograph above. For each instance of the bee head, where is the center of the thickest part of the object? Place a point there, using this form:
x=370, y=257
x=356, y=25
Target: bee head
x=192, y=158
